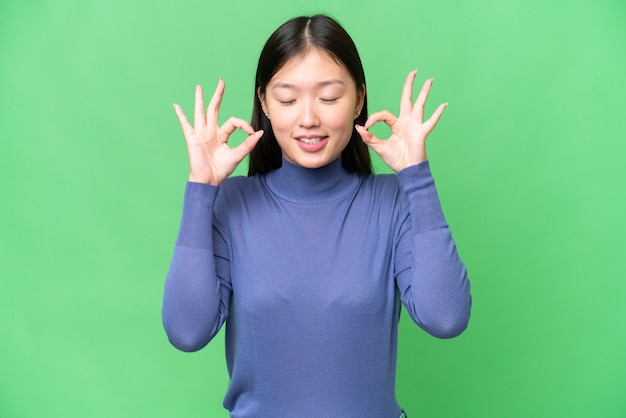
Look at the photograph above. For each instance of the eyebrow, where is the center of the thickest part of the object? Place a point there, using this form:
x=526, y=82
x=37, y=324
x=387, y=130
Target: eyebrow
x=283, y=85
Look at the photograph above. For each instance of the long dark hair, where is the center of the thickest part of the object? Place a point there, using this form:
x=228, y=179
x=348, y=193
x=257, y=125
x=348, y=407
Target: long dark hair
x=293, y=38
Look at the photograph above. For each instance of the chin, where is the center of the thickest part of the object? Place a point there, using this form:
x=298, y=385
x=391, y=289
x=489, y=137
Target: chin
x=313, y=162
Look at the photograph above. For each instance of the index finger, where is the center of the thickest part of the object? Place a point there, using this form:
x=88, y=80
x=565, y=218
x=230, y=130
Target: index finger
x=383, y=116
x=233, y=123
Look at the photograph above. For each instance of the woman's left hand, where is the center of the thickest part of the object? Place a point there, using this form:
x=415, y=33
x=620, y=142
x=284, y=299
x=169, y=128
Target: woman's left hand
x=407, y=144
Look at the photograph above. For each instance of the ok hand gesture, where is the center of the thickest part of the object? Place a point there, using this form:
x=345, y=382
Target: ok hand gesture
x=211, y=160
x=407, y=144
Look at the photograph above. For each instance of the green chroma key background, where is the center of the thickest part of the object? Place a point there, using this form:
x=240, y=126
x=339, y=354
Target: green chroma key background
x=528, y=159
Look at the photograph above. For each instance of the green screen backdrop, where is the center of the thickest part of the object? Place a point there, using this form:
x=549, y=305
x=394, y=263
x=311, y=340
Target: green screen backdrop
x=528, y=159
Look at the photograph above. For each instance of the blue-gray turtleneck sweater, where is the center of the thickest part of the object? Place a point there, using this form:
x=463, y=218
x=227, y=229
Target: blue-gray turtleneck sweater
x=308, y=269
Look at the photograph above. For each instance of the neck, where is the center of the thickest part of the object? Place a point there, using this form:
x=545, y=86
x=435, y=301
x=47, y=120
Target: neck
x=311, y=185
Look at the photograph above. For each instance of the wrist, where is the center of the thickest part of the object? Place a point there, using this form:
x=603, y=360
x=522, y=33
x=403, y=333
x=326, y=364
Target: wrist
x=203, y=180
x=413, y=160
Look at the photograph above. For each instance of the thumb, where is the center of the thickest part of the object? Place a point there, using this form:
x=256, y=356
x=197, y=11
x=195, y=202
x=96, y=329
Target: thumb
x=370, y=139
x=248, y=145
x=367, y=137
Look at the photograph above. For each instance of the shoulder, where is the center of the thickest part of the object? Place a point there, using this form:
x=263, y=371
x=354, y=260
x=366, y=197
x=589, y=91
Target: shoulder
x=235, y=183
x=239, y=190
x=382, y=193
x=240, y=187
x=382, y=185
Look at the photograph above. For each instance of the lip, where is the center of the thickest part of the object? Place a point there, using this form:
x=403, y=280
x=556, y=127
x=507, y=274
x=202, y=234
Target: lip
x=313, y=147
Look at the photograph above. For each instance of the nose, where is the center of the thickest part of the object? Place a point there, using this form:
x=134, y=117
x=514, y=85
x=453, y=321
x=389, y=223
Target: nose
x=308, y=115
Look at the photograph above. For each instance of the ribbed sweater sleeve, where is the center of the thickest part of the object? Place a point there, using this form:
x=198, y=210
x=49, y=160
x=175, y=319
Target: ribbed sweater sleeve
x=433, y=281
x=195, y=300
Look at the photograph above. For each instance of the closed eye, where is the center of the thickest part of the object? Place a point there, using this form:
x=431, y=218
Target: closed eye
x=328, y=100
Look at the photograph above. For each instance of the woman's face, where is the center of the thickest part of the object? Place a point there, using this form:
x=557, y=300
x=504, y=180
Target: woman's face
x=312, y=102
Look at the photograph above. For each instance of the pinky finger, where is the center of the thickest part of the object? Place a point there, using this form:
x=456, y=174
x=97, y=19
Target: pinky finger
x=182, y=119
x=430, y=124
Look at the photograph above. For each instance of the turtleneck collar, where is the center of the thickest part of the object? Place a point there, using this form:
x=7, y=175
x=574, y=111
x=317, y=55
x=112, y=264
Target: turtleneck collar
x=311, y=185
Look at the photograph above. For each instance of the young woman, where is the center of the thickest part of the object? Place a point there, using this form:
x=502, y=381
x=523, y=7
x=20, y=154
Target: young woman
x=309, y=258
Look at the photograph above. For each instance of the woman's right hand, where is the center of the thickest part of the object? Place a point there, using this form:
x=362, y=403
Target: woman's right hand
x=211, y=160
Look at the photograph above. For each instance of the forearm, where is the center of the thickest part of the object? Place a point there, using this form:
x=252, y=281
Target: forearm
x=432, y=278
x=193, y=310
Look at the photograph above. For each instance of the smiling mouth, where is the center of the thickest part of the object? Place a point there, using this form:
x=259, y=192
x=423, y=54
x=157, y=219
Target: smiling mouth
x=310, y=141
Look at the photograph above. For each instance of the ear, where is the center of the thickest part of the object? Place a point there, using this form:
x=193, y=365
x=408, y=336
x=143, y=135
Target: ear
x=360, y=99
x=261, y=96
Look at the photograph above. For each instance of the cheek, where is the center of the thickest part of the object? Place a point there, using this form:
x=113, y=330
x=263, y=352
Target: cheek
x=340, y=127
x=339, y=120
x=282, y=120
